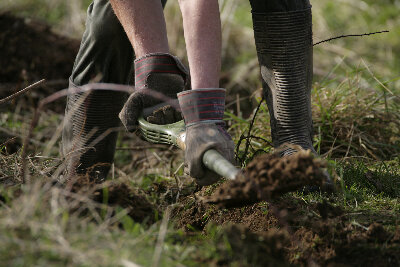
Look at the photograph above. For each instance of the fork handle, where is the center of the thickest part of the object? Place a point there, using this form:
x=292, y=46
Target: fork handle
x=214, y=161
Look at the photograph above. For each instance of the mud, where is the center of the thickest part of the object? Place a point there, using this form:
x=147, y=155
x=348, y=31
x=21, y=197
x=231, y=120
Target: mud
x=270, y=176
x=313, y=234
x=118, y=195
x=30, y=51
x=264, y=249
x=164, y=115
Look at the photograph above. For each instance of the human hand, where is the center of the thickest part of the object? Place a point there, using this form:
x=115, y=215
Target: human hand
x=203, y=111
x=164, y=75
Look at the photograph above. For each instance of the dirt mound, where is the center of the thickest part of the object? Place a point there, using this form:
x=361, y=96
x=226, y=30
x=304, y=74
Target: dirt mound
x=270, y=176
x=30, y=51
x=195, y=215
x=313, y=234
x=140, y=209
x=336, y=242
x=264, y=249
x=117, y=195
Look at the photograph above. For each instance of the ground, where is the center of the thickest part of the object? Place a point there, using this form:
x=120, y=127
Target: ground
x=152, y=214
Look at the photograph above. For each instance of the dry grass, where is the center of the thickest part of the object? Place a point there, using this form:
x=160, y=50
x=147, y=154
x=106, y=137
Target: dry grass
x=356, y=114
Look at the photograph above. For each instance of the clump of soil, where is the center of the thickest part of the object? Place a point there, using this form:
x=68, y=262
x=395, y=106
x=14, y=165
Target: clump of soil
x=264, y=249
x=318, y=234
x=193, y=215
x=164, y=115
x=117, y=195
x=328, y=211
x=338, y=242
x=270, y=176
x=140, y=209
x=30, y=51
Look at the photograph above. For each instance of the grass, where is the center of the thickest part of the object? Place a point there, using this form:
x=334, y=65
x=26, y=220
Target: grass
x=356, y=121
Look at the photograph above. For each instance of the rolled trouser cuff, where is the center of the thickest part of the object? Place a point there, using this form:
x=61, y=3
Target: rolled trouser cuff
x=202, y=105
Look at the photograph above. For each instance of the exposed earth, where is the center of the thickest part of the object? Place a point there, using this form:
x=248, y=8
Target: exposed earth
x=273, y=228
x=29, y=52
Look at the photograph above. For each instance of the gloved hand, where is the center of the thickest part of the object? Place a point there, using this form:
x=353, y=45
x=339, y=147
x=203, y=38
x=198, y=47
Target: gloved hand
x=159, y=72
x=203, y=111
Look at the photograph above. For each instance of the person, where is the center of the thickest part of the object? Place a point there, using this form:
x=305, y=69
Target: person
x=116, y=30
x=119, y=29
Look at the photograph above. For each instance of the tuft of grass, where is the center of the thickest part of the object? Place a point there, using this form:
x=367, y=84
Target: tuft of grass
x=356, y=118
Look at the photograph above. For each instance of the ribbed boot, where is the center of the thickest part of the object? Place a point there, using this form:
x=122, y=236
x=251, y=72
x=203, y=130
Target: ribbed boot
x=90, y=133
x=284, y=49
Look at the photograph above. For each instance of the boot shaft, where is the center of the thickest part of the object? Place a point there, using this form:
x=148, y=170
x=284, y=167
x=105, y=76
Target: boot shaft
x=284, y=49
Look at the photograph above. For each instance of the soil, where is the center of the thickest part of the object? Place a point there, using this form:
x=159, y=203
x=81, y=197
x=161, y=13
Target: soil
x=318, y=234
x=140, y=209
x=164, y=115
x=29, y=52
x=261, y=249
x=310, y=234
x=270, y=176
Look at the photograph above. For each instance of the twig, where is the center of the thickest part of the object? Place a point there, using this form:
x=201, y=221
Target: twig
x=260, y=138
x=13, y=96
x=8, y=141
x=349, y=35
x=248, y=134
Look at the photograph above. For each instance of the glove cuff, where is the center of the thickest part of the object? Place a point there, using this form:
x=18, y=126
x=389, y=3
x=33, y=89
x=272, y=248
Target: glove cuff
x=158, y=63
x=202, y=105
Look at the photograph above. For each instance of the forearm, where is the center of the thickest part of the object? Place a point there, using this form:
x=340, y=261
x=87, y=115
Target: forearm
x=144, y=24
x=202, y=28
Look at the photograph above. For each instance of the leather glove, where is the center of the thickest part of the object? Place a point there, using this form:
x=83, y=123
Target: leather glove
x=159, y=72
x=203, y=111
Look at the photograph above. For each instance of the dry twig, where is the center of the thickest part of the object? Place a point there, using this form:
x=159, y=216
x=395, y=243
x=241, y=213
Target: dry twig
x=348, y=35
x=13, y=96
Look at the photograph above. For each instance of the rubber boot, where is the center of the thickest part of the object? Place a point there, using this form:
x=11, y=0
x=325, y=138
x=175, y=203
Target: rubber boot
x=91, y=120
x=283, y=37
x=89, y=133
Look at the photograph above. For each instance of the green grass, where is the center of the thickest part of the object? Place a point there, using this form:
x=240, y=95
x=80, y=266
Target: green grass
x=40, y=226
x=356, y=115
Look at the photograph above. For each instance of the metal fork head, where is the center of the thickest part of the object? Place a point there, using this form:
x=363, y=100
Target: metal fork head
x=163, y=134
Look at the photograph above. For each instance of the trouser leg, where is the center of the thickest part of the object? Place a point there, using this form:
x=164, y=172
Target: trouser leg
x=105, y=55
x=283, y=37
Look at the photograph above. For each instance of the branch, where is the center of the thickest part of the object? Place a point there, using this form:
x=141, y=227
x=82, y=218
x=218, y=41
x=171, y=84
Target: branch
x=348, y=35
x=13, y=96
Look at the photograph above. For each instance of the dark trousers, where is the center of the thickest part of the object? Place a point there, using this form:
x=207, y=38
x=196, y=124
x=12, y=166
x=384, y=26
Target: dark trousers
x=107, y=56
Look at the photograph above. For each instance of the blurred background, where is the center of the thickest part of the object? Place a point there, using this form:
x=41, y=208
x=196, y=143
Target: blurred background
x=330, y=18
